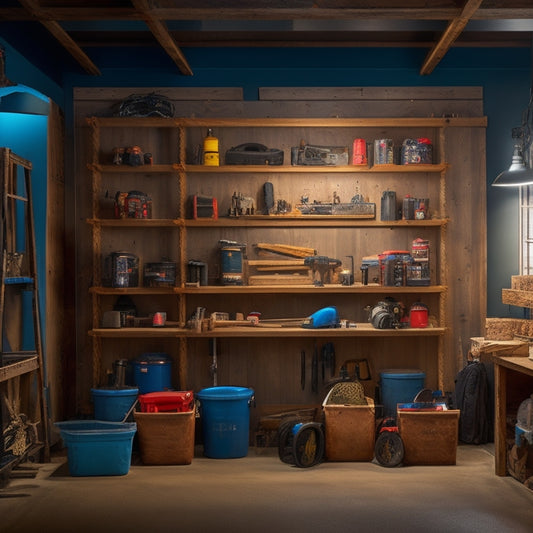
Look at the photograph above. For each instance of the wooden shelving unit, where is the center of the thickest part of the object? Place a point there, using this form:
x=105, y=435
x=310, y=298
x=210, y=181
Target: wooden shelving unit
x=173, y=140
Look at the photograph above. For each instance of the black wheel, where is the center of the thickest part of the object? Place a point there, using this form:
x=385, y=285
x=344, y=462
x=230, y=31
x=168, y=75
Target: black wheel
x=285, y=440
x=308, y=445
x=389, y=449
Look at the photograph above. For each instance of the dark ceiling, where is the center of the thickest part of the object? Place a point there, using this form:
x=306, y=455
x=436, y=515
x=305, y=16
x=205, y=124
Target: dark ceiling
x=66, y=36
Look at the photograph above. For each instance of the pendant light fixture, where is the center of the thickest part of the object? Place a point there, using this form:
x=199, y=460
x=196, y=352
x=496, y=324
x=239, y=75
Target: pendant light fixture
x=520, y=172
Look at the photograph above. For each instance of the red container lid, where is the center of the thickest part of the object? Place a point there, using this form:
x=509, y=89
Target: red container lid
x=165, y=401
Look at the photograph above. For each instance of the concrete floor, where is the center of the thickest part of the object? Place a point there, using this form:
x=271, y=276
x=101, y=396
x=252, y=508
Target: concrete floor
x=260, y=493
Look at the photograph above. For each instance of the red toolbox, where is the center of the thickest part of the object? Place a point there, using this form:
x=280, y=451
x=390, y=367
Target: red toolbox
x=167, y=401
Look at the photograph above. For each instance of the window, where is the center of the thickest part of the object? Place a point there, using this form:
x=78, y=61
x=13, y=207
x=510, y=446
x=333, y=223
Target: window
x=526, y=230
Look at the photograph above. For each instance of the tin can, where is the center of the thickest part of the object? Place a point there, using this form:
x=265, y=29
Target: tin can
x=388, y=205
x=383, y=152
x=420, y=249
x=123, y=269
x=417, y=151
x=408, y=207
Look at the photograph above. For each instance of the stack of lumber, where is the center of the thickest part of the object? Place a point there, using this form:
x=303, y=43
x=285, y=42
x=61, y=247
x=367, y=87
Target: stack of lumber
x=280, y=271
x=521, y=295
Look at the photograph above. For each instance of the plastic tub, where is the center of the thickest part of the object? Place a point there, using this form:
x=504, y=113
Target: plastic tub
x=152, y=372
x=97, y=448
x=112, y=405
x=225, y=415
x=399, y=386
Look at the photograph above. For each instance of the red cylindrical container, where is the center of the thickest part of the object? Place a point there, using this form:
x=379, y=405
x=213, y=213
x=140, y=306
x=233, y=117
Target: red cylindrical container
x=359, y=152
x=418, y=316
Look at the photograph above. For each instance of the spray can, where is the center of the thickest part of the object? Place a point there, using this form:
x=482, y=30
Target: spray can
x=211, y=156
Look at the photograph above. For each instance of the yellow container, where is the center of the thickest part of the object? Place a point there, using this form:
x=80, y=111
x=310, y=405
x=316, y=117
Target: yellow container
x=211, y=155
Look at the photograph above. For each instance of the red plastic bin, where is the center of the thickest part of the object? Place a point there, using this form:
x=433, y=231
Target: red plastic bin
x=167, y=401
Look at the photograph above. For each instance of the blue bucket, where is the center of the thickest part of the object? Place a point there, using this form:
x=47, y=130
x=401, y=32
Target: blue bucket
x=399, y=386
x=152, y=372
x=112, y=404
x=225, y=415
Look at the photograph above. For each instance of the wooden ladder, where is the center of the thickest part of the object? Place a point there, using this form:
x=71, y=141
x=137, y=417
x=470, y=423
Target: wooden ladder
x=22, y=387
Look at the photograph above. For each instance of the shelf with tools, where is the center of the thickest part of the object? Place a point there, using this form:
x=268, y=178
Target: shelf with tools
x=173, y=176
x=332, y=235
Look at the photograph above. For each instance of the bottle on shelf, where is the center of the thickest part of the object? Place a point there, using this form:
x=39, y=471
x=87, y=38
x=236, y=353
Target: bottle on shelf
x=211, y=156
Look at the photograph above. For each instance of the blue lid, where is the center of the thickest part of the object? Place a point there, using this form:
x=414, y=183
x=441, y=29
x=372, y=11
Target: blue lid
x=402, y=373
x=111, y=391
x=94, y=427
x=225, y=393
x=153, y=358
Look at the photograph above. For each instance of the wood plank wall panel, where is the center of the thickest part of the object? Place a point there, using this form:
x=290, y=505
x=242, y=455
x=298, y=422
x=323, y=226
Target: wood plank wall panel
x=59, y=347
x=466, y=205
x=275, y=375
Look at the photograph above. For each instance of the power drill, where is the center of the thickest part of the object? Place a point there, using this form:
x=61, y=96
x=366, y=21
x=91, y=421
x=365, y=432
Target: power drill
x=323, y=265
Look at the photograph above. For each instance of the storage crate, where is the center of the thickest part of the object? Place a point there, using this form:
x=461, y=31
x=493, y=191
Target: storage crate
x=166, y=438
x=350, y=431
x=97, y=448
x=429, y=436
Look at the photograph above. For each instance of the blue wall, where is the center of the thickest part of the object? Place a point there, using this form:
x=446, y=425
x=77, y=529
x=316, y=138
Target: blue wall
x=504, y=74
x=26, y=136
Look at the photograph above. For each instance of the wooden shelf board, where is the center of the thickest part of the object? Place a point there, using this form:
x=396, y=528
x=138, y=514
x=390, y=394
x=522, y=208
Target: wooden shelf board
x=136, y=333
x=17, y=368
x=144, y=291
x=303, y=169
x=136, y=222
x=519, y=364
x=362, y=330
x=310, y=221
x=376, y=122
x=132, y=122
x=140, y=169
x=311, y=289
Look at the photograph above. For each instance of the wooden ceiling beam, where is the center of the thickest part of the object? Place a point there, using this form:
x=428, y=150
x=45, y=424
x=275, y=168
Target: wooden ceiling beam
x=512, y=10
x=160, y=32
x=453, y=30
x=34, y=9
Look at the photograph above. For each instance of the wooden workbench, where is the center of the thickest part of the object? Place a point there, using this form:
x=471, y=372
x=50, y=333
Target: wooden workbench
x=513, y=383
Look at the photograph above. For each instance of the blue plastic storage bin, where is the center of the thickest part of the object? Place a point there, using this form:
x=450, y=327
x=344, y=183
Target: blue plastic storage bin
x=225, y=415
x=399, y=386
x=97, y=448
x=112, y=405
x=152, y=372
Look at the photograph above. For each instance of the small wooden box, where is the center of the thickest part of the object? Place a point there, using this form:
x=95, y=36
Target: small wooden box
x=429, y=437
x=350, y=432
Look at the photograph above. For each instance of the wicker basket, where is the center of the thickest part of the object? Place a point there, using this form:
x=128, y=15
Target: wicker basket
x=166, y=438
x=429, y=437
x=350, y=432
